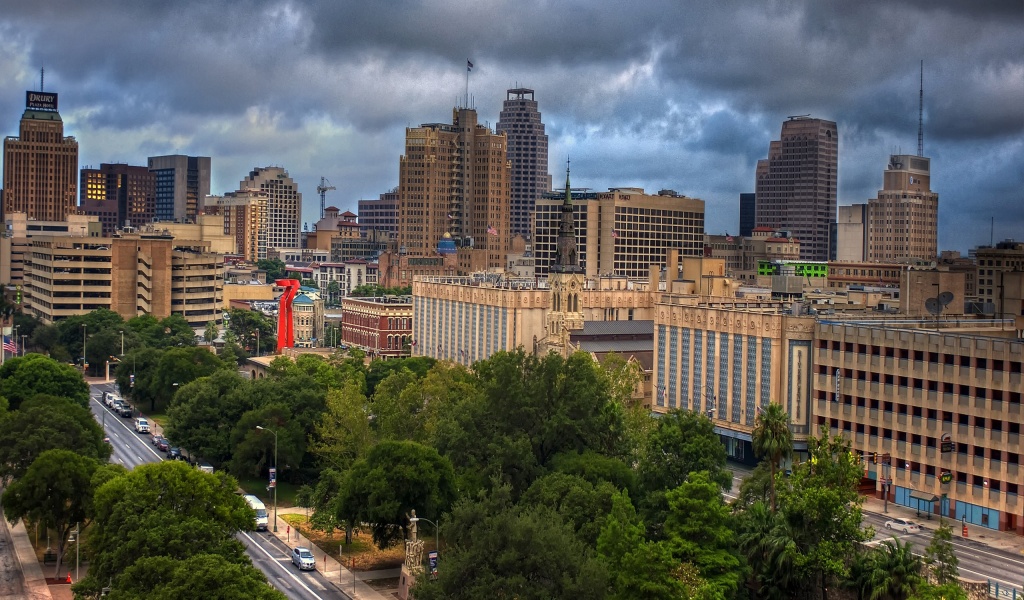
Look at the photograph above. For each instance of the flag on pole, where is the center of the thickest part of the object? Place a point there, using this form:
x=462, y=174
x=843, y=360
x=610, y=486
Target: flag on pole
x=450, y=217
x=469, y=65
x=491, y=230
x=9, y=345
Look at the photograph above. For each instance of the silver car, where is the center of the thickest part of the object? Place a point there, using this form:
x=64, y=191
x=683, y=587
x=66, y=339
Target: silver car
x=904, y=525
x=303, y=559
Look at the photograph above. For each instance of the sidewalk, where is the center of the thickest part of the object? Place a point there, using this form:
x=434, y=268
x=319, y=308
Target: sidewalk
x=329, y=566
x=1003, y=540
x=35, y=587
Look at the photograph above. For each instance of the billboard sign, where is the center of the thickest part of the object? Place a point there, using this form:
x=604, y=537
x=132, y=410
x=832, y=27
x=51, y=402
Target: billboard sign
x=432, y=560
x=41, y=100
x=946, y=443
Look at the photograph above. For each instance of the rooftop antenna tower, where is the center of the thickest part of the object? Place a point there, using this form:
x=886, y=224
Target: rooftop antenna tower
x=42, y=79
x=322, y=189
x=920, y=114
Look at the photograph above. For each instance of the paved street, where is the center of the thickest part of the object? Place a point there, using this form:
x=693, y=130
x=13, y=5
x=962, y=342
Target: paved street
x=268, y=554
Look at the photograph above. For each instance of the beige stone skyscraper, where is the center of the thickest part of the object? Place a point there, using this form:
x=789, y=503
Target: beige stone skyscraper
x=41, y=164
x=796, y=184
x=284, y=205
x=455, y=179
x=903, y=222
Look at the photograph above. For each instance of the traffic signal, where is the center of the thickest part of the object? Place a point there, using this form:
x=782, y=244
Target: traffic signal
x=874, y=458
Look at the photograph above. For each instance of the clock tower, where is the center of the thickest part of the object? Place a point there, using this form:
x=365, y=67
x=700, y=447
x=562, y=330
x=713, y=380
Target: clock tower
x=565, y=278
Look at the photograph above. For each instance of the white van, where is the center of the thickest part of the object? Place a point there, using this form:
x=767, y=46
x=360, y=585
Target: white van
x=141, y=425
x=261, y=511
x=109, y=398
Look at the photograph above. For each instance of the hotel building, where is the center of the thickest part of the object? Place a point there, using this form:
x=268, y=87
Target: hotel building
x=40, y=175
x=382, y=325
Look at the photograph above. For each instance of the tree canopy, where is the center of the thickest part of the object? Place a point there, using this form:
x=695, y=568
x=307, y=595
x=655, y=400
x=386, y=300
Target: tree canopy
x=26, y=376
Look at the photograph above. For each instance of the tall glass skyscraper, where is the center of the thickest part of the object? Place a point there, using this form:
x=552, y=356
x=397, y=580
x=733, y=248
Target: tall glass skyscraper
x=528, y=153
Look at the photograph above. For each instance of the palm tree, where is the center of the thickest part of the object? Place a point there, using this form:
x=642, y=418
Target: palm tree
x=773, y=439
x=895, y=573
x=766, y=541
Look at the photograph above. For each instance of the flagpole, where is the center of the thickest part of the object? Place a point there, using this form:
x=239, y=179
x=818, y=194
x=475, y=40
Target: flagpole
x=468, y=69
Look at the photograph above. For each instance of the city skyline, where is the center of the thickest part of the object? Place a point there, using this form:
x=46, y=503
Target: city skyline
x=684, y=97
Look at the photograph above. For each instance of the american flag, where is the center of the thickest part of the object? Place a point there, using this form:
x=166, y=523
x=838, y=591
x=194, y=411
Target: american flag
x=469, y=65
x=615, y=233
x=491, y=230
x=9, y=345
x=412, y=343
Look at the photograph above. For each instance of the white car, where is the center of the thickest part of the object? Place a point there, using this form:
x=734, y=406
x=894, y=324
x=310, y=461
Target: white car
x=141, y=425
x=904, y=525
x=303, y=559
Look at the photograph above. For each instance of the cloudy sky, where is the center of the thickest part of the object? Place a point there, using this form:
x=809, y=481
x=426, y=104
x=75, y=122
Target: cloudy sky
x=653, y=94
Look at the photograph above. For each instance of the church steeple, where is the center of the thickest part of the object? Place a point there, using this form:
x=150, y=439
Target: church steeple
x=566, y=254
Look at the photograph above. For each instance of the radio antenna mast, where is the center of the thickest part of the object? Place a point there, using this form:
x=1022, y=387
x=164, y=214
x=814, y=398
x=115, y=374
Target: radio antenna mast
x=920, y=114
x=42, y=79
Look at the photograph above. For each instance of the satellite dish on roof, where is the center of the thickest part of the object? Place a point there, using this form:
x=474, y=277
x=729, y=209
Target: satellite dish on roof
x=945, y=298
x=932, y=305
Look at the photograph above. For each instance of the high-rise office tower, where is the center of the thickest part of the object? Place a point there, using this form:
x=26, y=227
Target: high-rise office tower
x=796, y=184
x=41, y=164
x=903, y=221
x=748, y=214
x=528, y=153
x=284, y=205
x=455, y=179
x=182, y=182
x=119, y=195
x=245, y=219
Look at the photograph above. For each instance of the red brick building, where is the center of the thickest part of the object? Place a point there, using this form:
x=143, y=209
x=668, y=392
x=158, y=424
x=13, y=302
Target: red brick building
x=382, y=325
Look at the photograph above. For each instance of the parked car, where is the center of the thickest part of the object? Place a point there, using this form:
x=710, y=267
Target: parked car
x=174, y=453
x=156, y=439
x=163, y=445
x=126, y=410
x=904, y=525
x=303, y=559
x=141, y=425
x=109, y=398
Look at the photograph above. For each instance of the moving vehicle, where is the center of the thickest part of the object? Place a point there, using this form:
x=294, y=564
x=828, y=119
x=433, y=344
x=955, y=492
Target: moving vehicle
x=261, y=511
x=904, y=525
x=141, y=425
x=126, y=410
x=303, y=559
x=205, y=467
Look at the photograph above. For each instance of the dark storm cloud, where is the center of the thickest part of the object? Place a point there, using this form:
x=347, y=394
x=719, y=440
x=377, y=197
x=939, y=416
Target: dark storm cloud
x=683, y=95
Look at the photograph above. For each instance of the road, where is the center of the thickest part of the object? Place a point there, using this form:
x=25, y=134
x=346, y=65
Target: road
x=268, y=553
x=977, y=561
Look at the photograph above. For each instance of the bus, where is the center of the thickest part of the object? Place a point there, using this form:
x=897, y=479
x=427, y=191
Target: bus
x=261, y=511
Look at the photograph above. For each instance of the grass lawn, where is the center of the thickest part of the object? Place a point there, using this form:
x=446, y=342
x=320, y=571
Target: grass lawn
x=368, y=557
x=257, y=486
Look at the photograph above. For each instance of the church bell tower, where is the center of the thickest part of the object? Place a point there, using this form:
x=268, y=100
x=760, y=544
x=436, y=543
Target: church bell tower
x=566, y=280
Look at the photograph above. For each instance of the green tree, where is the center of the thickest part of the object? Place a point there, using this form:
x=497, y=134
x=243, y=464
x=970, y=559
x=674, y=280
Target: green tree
x=823, y=508
x=637, y=568
x=895, y=573
x=253, y=449
x=700, y=530
x=949, y=591
x=211, y=332
x=178, y=367
x=333, y=293
x=940, y=557
x=205, y=413
x=142, y=362
x=207, y=576
x=56, y=492
x=47, y=423
x=244, y=325
x=343, y=434
x=23, y=377
x=394, y=479
x=46, y=339
x=398, y=415
x=583, y=505
x=102, y=347
x=379, y=369
x=274, y=268
x=164, y=509
x=492, y=546
x=767, y=543
x=683, y=442
x=773, y=440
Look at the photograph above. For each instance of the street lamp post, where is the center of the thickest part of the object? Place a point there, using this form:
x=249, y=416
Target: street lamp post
x=23, y=336
x=258, y=353
x=15, y=338
x=122, y=343
x=261, y=428
x=84, y=331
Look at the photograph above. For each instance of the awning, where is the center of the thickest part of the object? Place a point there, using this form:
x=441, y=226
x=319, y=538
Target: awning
x=923, y=496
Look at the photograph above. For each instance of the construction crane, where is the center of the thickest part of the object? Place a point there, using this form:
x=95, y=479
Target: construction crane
x=322, y=189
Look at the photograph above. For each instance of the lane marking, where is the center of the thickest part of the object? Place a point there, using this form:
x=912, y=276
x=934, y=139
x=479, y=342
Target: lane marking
x=286, y=571
x=121, y=423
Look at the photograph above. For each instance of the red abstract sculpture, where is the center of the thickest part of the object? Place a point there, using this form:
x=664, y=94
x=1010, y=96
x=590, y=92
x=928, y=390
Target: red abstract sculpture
x=285, y=324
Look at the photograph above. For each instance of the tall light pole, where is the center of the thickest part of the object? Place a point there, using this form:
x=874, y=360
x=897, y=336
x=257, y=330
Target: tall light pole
x=15, y=337
x=23, y=336
x=84, y=330
x=261, y=428
x=257, y=354
x=122, y=343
